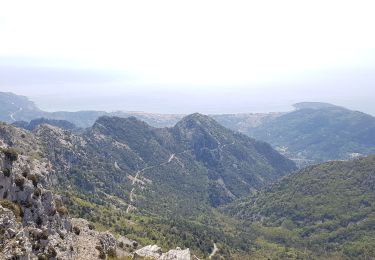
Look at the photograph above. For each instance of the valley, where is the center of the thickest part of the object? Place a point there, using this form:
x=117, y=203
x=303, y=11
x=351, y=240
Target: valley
x=202, y=187
x=187, y=130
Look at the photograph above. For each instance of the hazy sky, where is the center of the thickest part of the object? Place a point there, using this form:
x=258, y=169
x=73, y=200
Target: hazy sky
x=186, y=56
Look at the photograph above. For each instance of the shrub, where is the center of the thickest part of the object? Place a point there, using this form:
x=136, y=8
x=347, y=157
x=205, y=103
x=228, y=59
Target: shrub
x=42, y=257
x=11, y=154
x=76, y=230
x=51, y=253
x=112, y=252
x=20, y=181
x=27, y=204
x=44, y=235
x=39, y=221
x=15, y=208
x=37, y=192
x=33, y=178
x=35, y=247
x=62, y=210
x=91, y=226
x=52, y=212
x=101, y=252
x=26, y=172
x=6, y=172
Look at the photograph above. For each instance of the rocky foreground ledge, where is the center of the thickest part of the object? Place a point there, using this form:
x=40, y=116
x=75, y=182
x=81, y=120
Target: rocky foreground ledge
x=82, y=242
x=34, y=223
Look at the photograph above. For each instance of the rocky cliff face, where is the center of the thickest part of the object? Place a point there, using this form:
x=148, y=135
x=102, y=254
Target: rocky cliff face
x=34, y=223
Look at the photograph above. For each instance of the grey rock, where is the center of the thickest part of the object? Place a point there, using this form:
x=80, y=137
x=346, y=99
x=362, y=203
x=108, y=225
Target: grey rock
x=154, y=252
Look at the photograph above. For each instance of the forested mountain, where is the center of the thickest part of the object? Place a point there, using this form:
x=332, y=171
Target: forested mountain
x=318, y=132
x=201, y=186
x=325, y=211
x=143, y=182
x=216, y=165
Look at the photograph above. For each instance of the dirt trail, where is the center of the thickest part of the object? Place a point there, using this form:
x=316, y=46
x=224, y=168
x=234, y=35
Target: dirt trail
x=137, y=179
x=12, y=115
x=173, y=156
x=214, y=251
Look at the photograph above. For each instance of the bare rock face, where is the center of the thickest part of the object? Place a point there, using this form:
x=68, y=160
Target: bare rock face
x=13, y=240
x=154, y=252
x=91, y=244
x=34, y=224
x=150, y=251
x=176, y=254
x=33, y=218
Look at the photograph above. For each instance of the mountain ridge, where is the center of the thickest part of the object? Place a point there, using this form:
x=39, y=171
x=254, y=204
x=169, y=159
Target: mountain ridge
x=314, y=132
x=179, y=174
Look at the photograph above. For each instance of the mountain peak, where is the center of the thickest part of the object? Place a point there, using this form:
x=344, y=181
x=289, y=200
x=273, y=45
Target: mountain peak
x=120, y=122
x=313, y=105
x=196, y=119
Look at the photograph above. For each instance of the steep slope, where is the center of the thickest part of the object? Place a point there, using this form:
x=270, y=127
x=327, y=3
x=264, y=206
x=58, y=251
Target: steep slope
x=318, y=132
x=236, y=164
x=14, y=107
x=174, y=176
x=19, y=108
x=198, y=153
x=328, y=209
x=35, y=224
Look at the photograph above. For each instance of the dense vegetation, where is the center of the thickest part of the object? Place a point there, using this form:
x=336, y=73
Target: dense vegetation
x=198, y=233
x=171, y=186
x=319, y=133
x=188, y=165
x=171, y=175
x=327, y=209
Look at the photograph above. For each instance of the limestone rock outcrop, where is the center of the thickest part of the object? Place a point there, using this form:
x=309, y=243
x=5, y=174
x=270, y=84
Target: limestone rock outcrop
x=154, y=252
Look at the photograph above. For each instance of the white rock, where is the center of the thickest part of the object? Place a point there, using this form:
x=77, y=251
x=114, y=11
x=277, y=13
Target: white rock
x=151, y=251
x=176, y=254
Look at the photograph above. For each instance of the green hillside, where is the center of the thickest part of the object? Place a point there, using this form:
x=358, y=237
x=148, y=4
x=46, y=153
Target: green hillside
x=142, y=181
x=314, y=133
x=326, y=210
